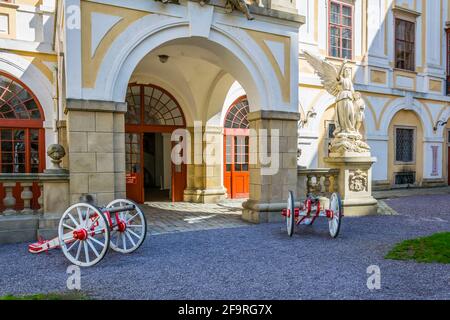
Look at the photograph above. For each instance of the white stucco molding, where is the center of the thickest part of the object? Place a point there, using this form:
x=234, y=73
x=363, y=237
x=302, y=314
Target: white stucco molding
x=406, y=103
x=241, y=57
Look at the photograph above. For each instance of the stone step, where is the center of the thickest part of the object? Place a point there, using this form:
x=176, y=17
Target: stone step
x=47, y=234
x=49, y=222
x=18, y=236
x=19, y=222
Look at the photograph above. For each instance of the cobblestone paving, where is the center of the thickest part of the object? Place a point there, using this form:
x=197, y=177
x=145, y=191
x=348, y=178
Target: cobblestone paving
x=167, y=217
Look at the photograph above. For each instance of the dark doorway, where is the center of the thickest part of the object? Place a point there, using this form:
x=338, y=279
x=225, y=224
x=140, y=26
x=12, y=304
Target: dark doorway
x=154, y=172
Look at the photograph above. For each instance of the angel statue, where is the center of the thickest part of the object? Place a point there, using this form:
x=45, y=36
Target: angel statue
x=349, y=105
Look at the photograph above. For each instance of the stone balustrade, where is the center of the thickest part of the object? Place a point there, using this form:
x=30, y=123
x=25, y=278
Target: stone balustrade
x=320, y=182
x=23, y=194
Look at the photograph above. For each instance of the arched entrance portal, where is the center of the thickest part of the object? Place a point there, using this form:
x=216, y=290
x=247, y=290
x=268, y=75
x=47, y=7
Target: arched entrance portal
x=236, y=153
x=196, y=60
x=153, y=114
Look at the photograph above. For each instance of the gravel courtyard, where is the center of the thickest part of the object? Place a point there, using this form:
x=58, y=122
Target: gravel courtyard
x=255, y=262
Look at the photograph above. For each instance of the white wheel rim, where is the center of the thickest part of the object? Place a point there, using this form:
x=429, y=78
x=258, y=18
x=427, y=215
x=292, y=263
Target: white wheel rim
x=92, y=249
x=290, y=219
x=334, y=222
x=136, y=229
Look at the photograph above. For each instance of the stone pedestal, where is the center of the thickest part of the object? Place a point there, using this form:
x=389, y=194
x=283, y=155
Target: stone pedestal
x=355, y=183
x=56, y=196
x=56, y=200
x=269, y=191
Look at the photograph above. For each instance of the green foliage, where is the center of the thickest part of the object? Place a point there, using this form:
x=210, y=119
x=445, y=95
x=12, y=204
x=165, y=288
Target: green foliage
x=49, y=296
x=433, y=249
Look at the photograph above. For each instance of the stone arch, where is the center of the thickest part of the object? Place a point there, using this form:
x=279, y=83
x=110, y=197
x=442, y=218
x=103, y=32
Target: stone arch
x=406, y=118
x=405, y=104
x=243, y=59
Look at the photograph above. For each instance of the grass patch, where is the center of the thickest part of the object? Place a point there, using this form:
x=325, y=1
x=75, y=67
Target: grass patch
x=49, y=296
x=435, y=248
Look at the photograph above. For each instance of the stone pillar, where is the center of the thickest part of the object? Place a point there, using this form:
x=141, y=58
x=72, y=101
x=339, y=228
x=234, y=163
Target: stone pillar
x=355, y=183
x=96, y=138
x=204, y=180
x=268, y=193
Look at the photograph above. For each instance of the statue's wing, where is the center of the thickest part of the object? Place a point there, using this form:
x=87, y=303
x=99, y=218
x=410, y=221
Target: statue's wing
x=326, y=71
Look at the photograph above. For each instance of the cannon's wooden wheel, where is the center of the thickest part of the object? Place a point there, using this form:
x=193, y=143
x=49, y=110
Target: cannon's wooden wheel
x=290, y=216
x=335, y=222
x=130, y=238
x=83, y=234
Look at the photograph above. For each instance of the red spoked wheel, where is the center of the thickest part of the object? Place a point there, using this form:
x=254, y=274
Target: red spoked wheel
x=83, y=234
x=131, y=228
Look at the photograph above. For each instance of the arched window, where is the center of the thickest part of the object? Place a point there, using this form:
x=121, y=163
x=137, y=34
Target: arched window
x=21, y=133
x=236, y=117
x=150, y=105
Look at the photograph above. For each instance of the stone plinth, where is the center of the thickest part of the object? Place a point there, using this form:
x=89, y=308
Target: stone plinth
x=56, y=195
x=355, y=183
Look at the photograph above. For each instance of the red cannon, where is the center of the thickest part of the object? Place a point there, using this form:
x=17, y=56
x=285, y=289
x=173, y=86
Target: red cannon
x=311, y=209
x=85, y=232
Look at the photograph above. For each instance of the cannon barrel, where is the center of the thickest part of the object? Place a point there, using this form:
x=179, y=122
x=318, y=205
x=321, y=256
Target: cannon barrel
x=119, y=209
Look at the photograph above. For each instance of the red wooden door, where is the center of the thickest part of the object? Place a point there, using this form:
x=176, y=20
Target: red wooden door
x=236, y=164
x=134, y=172
x=228, y=163
x=178, y=180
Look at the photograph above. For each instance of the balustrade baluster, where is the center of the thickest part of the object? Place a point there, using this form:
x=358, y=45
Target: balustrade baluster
x=335, y=182
x=309, y=184
x=327, y=183
x=27, y=195
x=41, y=198
x=9, y=201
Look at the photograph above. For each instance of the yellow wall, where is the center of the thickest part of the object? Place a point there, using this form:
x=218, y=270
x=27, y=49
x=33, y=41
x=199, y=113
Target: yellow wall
x=9, y=11
x=407, y=119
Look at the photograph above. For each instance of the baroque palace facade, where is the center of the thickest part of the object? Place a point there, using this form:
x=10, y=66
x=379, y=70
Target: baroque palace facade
x=399, y=51
x=112, y=80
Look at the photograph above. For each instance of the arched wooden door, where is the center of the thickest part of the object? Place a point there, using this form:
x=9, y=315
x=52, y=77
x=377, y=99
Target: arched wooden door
x=151, y=110
x=236, y=150
x=22, y=137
